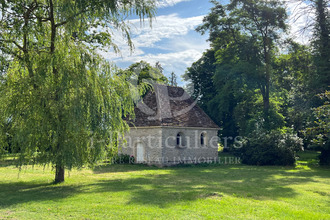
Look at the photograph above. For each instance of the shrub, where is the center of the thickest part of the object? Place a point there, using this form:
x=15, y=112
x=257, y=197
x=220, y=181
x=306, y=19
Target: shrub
x=320, y=130
x=325, y=154
x=270, y=148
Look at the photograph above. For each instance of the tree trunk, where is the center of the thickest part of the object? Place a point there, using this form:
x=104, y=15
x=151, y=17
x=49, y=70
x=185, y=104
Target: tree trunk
x=323, y=45
x=322, y=26
x=267, y=84
x=59, y=174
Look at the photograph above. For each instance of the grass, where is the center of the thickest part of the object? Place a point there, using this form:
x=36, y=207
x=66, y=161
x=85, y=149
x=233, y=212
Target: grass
x=187, y=192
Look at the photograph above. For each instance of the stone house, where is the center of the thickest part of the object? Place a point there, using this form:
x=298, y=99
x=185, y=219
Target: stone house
x=169, y=128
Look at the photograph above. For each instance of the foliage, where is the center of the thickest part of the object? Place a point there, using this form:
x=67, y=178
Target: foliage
x=292, y=76
x=198, y=77
x=142, y=72
x=255, y=24
x=317, y=22
x=3, y=140
x=235, y=80
x=172, y=79
x=270, y=148
x=321, y=45
x=261, y=81
x=243, y=37
x=249, y=115
x=64, y=102
x=321, y=80
x=321, y=128
x=325, y=154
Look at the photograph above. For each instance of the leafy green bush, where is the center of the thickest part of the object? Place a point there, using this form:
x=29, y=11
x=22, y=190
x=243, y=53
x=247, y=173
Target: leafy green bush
x=325, y=154
x=320, y=130
x=270, y=148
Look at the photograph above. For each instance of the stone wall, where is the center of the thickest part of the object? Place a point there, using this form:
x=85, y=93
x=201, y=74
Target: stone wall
x=151, y=140
x=161, y=148
x=191, y=149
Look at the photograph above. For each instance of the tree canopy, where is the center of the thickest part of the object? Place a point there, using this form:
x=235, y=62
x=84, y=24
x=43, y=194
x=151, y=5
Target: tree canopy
x=142, y=71
x=243, y=36
x=263, y=83
x=64, y=102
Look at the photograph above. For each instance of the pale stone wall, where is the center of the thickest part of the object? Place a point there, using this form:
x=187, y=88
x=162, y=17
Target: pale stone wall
x=150, y=138
x=160, y=144
x=191, y=150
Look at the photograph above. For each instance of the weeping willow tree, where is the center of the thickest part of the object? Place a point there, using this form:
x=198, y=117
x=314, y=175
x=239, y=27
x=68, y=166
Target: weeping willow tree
x=62, y=100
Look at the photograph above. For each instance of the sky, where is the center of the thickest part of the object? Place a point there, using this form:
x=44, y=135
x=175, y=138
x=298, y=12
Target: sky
x=172, y=39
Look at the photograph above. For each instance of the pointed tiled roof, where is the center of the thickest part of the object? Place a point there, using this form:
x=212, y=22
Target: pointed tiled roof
x=170, y=106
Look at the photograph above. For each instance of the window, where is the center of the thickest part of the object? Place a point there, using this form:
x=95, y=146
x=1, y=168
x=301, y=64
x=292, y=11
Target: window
x=178, y=139
x=202, y=139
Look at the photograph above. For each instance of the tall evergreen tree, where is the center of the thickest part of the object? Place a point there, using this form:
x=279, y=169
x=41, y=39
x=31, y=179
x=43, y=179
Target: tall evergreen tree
x=321, y=44
x=172, y=79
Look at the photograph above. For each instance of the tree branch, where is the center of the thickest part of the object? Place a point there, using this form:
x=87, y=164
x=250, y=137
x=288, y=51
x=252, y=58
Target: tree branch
x=14, y=42
x=8, y=51
x=70, y=18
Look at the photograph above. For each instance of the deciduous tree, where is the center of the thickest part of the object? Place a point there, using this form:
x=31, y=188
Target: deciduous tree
x=61, y=98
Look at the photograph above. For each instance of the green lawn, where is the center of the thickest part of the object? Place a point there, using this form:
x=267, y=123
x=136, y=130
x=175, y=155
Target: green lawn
x=192, y=192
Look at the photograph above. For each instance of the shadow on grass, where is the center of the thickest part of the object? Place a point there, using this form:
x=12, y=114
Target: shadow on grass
x=310, y=159
x=167, y=186
x=7, y=162
x=23, y=192
x=198, y=182
x=115, y=168
x=185, y=184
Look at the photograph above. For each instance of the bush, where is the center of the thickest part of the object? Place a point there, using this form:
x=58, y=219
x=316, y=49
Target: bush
x=320, y=130
x=325, y=154
x=270, y=148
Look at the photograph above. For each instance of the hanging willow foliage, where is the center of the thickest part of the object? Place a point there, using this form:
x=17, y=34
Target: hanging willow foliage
x=61, y=103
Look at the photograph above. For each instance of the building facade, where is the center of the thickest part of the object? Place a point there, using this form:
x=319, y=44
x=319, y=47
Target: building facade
x=169, y=128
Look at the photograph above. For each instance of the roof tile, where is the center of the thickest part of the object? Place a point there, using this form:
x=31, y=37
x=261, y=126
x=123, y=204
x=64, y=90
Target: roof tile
x=170, y=106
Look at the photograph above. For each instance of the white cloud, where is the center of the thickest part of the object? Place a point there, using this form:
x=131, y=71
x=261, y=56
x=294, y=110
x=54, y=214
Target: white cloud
x=168, y=3
x=169, y=26
x=178, y=52
x=171, y=42
x=176, y=62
